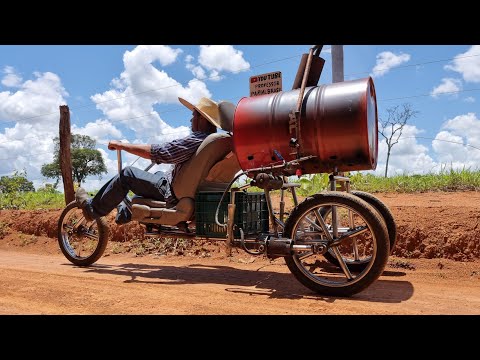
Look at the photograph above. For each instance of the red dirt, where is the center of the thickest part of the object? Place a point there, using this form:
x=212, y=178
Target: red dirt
x=430, y=225
x=435, y=269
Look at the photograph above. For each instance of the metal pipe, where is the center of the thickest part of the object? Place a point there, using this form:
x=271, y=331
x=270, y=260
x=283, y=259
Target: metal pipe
x=301, y=247
x=282, y=204
x=270, y=212
x=341, y=178
x=297, y=114
x=119, y=160
x=333, y=187
x=294, y=195
x=149, y=166
x=230, y=223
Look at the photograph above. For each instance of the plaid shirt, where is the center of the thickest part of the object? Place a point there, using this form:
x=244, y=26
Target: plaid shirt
x=176, y=152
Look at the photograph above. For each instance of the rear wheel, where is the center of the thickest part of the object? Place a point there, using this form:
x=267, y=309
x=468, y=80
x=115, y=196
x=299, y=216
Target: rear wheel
x=81, y=242
x=354, y=233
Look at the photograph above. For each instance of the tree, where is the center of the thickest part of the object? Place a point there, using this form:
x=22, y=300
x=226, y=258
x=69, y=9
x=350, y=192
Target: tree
x=49, y=188
x=86, y=160
x=392, y=128
x=17, y=182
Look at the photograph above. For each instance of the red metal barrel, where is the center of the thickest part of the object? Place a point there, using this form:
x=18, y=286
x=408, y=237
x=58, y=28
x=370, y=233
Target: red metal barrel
x=339, y=125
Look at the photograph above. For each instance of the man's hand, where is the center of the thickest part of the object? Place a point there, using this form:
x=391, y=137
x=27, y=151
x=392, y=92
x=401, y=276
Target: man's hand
x=114, y=145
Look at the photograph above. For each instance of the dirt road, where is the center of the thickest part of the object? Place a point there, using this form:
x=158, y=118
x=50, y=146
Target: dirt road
x=435, y=270
x=124, y=284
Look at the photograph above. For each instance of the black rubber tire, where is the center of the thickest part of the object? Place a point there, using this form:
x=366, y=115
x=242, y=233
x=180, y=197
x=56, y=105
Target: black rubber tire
x=101, y=245
x=384, y=212
x=377, y=227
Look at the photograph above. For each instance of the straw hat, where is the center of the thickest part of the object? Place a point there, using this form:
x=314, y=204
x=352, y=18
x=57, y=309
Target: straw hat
x=208, y=108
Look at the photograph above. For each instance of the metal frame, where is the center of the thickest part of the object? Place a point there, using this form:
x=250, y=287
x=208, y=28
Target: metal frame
x=277, y=222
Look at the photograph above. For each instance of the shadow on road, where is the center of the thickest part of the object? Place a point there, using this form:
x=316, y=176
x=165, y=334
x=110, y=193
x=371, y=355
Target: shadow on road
x=259, y=282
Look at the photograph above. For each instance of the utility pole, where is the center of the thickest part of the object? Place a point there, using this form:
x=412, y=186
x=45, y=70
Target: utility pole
x=65, y=156
x=337, y=63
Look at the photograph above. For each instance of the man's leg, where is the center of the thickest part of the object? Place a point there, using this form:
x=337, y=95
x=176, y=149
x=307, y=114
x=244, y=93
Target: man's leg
x=140, y=182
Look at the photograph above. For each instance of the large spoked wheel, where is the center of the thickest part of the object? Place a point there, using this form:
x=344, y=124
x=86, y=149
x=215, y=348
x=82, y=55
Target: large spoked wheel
x=352, y=230
x=81, y=242
x=384, y=212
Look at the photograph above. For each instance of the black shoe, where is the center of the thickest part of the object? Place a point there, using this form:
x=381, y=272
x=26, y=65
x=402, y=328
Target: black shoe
x=124, y=215
x=81, y=197
x=183, y=226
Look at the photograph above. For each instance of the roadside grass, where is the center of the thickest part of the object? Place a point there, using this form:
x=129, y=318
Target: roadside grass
x=445, y=180
x=32, y=200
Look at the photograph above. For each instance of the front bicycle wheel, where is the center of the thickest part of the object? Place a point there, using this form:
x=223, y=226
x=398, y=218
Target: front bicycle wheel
x=353, y=231
x=81, y=242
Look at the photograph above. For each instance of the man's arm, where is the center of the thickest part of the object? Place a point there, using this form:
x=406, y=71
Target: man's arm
x=177, y=151
x=135, y=149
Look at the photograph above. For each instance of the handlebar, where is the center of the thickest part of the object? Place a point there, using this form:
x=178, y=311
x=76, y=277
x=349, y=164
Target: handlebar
x=119, y=160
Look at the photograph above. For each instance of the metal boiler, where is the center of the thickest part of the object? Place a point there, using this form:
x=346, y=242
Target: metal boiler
x=339, y=126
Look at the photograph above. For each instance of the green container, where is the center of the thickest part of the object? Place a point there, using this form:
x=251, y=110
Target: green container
x=251, y=213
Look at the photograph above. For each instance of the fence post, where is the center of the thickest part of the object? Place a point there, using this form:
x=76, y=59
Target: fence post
x=65, y=156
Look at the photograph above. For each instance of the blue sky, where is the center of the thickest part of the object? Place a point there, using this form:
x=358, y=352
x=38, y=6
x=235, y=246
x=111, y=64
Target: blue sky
x=130, y=93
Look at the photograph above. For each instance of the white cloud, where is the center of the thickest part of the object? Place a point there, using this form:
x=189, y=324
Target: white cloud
x=469, y=99
x=146, y=54
x=141, y=86
x=387, y=60
x=216, y=58
x=458, y=144
x=11, y=78
x=215, y=76
x=27, y=140
x=98, y=130
x=197, y=71
x=467, y=64
x=467, y=125
x=447, y=87
x=35, y=97
x=449, y=147
x=407, y=156
x=222, y=58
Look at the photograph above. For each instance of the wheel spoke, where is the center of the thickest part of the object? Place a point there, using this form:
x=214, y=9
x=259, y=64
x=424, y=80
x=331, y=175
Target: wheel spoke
x=305, y=255
x=341, y=261
x=355, y=250
x=313, y=223
x=322, y=224
x=91, y=236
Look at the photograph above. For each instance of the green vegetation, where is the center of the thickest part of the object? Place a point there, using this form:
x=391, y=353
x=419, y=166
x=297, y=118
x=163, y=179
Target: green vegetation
x=16, y=182
x=86, y=160
x=17, y=192
x=445, y=180
x=32, y=200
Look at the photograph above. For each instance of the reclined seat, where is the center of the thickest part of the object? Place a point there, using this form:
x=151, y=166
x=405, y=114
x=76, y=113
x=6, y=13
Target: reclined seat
x=212, y=167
